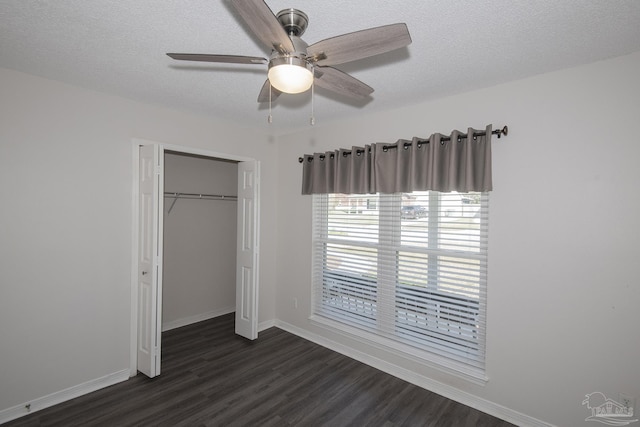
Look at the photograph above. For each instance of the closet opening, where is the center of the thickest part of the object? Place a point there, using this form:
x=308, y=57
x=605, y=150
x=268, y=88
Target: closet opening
x=200, y=233
x=196, y=227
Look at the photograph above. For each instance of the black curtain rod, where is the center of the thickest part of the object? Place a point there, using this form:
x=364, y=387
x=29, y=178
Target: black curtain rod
x=499, y=132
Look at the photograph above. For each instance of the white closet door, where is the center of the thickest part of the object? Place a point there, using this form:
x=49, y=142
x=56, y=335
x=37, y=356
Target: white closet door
x=247, y=250
x=150, y=259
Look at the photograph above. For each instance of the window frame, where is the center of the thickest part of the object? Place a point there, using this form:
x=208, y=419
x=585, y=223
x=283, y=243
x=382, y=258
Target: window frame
x=384, y=334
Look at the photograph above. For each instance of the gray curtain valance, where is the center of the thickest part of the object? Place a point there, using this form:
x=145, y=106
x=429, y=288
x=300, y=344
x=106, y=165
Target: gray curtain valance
x=456, y=162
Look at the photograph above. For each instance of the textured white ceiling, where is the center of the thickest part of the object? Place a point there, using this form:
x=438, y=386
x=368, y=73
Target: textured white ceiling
x=119, y=47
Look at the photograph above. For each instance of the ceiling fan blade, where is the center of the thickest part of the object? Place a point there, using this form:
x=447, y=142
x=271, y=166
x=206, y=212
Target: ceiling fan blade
x=337, y=81
x=360, y=44
x=231, y=59
x=261, y=20
x=264, y=92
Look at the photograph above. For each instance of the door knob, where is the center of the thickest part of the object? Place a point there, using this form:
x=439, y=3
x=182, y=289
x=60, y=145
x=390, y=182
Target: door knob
x=144, y=272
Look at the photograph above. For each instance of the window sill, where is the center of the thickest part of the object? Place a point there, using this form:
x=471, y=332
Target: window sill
x=429, y=360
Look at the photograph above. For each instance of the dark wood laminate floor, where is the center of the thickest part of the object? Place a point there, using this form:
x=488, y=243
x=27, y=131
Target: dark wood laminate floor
x=211, y=377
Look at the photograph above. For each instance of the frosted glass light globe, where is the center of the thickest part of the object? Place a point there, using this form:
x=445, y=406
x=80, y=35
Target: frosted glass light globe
x=290, y=75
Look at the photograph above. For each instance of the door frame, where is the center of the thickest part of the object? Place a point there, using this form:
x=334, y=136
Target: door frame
x=136, y=143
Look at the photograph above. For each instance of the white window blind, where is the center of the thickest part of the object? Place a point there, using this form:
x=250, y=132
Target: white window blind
x=410, y=268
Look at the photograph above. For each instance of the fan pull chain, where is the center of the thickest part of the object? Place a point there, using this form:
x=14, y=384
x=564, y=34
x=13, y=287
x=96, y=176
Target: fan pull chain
x=270, y=118
x=312, y=120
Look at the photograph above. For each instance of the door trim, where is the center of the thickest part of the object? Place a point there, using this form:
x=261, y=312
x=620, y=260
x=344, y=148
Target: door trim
x=135, y=144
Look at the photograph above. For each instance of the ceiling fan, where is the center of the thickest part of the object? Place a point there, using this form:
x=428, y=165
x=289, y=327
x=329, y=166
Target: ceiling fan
x=294, y=65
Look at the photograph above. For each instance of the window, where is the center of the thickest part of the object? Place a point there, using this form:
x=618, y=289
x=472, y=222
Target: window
x=409, y=268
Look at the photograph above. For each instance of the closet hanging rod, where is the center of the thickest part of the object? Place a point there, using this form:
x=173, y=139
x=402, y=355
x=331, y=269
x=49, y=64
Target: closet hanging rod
x=196, y=196
x=199, y=196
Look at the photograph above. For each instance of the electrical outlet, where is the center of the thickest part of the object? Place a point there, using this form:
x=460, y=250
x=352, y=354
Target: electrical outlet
x=627, y=401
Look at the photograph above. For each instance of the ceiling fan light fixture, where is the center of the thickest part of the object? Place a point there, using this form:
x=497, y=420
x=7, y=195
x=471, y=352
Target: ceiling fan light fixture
x=290, y=74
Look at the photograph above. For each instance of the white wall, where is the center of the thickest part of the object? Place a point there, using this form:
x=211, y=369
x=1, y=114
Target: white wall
x=199, y=277
x=563, y=244
x=65, y=226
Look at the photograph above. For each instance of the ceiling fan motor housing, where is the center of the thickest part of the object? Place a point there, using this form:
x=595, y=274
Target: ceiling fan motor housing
x=295, y=23
x=299, y=57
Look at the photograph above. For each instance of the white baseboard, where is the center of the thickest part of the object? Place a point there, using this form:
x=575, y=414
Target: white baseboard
x=197, y=318
x=445, y=390
x=266, y=325
x=43, y=402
